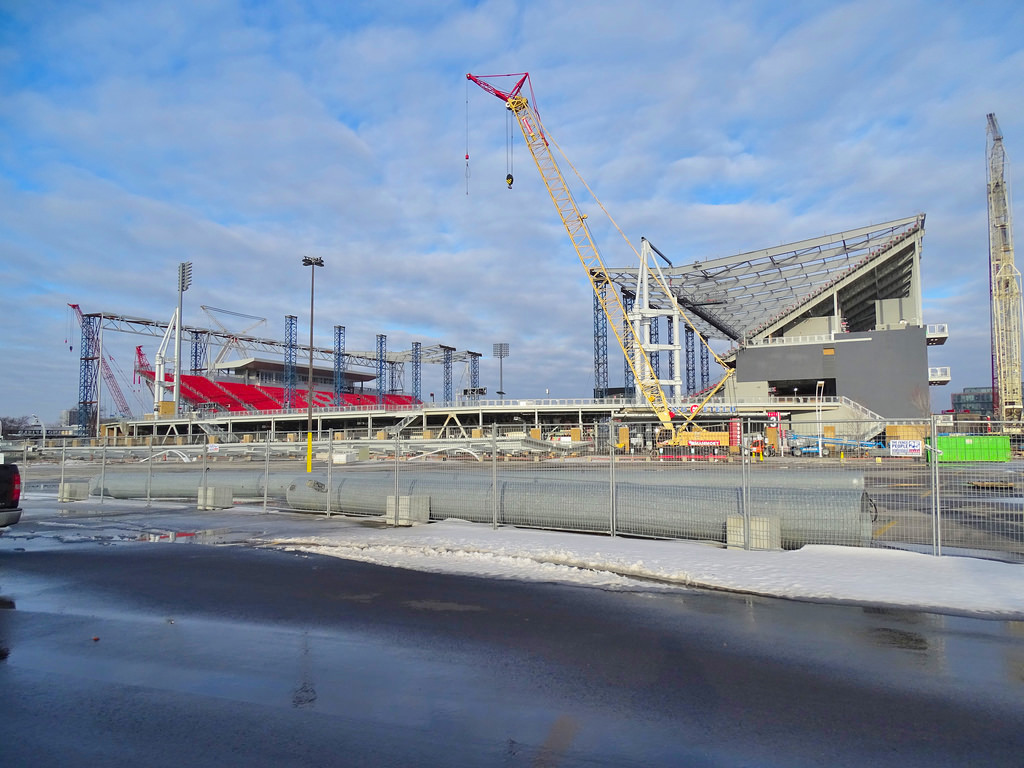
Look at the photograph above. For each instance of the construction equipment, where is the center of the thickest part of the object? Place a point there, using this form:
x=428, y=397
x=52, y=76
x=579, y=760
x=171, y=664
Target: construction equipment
x=108, y=376
x=1005, y=286
x=539, y=141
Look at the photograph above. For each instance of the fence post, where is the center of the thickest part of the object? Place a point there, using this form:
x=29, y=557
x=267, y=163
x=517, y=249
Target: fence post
x=398, y=448
x=330, y=467
x=936, y=501
x=745, y=481
x=266, y=473
x=149, y=473
x=494, y=476
x=103, y=467
x=206, y=445
x=611, y=480
x=63, y=453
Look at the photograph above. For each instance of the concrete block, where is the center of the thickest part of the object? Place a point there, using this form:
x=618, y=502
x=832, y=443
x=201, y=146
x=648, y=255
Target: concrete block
x=73, y=492
x=215, y=497
x=411, y=509
x=765, y=533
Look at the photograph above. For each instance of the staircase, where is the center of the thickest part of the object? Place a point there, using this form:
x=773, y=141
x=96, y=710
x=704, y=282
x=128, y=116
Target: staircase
x=871, y=422
x=215, y=430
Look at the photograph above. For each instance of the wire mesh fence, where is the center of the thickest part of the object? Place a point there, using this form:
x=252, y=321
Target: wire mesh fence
x=751, y=483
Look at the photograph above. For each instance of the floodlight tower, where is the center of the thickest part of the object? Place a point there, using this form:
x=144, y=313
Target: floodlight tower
x=1005, y=286
x=184, y=282
x=312, y=263
x=500, y=351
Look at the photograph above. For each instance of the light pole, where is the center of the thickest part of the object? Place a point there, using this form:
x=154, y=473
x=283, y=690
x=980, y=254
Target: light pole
x=500, y=351
x=184, y=282
x=308, y=261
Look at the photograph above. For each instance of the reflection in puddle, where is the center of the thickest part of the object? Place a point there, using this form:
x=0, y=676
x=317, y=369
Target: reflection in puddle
x=898, y=638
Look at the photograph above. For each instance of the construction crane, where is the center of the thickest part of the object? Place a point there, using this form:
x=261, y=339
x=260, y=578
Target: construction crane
x=1005, y=287
x=539, y=141
x=108, y=376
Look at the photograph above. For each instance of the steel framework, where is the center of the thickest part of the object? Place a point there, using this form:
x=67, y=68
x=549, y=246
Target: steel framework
x=448, y=357
x=753, y=294
x=200, y=346
x=600, y=344
x=417, y=374
x=88, y=406
x=104, y=370
x=290, y=353
x=691, y=368
x=628, y=379
x=670, y=323
x=705, y=368
x=474, y=375
x=1005, y=284
x=382, y=356
x=339, y=364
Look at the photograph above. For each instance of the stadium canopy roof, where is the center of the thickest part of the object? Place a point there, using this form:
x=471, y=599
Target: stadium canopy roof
x=753, y=294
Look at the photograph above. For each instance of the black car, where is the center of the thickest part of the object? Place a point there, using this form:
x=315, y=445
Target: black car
x=10, y=494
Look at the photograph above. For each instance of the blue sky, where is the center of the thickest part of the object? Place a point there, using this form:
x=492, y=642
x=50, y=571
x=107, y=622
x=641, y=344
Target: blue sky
x=242, y=136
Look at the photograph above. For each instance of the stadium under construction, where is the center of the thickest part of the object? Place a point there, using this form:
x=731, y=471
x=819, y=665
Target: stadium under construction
x=827, y=331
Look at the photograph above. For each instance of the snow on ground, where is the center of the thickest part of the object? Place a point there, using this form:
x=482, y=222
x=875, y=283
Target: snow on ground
x=821, y=573
x=880, y=577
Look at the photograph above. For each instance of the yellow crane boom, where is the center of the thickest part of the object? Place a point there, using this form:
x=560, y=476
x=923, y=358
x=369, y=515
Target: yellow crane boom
x=537, y=140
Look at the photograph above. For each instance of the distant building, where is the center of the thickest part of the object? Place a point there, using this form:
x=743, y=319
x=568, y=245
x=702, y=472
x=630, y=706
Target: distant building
x=973, y=400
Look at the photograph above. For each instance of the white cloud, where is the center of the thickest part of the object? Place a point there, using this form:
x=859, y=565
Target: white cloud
x=241, y=137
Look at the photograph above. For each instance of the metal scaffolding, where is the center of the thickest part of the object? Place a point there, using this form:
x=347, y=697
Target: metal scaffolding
x=88, y=404
x=382, y=360
x=448, y=395
x=691, y=361
x=291, y=347
x=474, y=375
x=417, y=371
x=339, y=364
x=600, y=343
x=200, y=346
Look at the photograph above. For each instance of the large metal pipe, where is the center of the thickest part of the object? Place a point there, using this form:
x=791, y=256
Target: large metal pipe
x=812, y=508
x=185, y=484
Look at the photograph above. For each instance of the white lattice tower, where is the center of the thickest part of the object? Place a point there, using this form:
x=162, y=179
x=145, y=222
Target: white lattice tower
x=1005, y=284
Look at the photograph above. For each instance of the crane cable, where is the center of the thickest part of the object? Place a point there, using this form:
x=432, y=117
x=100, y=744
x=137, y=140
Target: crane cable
x=659, y=275
x=509, y=148
x=467, y=137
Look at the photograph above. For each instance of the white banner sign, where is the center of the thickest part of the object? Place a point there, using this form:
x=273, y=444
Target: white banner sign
x=906, y=447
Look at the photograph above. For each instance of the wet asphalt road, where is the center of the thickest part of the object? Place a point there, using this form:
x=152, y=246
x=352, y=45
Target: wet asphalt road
x=143, y=654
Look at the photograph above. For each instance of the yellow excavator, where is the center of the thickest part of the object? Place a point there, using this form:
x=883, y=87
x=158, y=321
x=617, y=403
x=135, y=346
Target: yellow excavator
x=539, y=142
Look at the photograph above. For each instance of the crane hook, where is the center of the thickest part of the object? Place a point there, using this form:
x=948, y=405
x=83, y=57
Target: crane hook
x=509, y=180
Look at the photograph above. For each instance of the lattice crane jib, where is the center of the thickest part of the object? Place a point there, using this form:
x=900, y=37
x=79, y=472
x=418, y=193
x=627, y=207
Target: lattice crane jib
x=1005, y=282
x=539, y=141
x=574, y=221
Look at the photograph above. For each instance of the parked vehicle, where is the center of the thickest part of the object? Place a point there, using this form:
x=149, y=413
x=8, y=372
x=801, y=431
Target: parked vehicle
x=810, y=450
x=10, y=495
